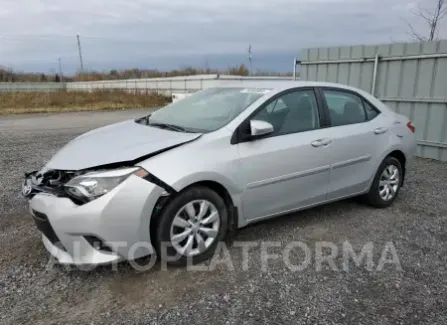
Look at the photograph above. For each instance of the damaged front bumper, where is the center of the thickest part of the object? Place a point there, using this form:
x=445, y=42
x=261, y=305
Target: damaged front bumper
x=50, y=182
x=111, y=228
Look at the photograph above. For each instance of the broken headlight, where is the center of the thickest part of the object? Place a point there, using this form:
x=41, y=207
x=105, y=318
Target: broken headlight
x=92, y=185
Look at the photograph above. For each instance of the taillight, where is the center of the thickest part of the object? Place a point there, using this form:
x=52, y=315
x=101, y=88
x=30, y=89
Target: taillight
x=411, y=127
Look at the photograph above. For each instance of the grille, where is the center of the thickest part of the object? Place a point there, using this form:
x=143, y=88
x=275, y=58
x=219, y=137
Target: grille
x=51, y=182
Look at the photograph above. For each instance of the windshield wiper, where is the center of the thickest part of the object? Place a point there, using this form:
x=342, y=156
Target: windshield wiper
x=168, y=126
x=143, y=120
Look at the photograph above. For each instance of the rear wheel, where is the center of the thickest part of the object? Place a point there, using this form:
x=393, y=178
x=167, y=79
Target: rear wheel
x=386, y=184
x=191, y=226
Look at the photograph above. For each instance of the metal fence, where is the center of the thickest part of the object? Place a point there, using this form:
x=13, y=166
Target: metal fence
x=31, y=86
x=411, y=78
x=166, y=86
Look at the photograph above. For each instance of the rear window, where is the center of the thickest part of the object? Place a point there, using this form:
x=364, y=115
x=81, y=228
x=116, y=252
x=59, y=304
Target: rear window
x=348, y=108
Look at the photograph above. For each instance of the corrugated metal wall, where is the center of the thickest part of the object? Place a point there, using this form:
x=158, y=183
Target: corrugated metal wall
x=411, y=79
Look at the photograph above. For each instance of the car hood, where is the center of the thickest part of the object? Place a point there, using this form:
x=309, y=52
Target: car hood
x=117, y=143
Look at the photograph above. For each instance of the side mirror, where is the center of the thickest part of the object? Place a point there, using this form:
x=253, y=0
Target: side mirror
x=258, y=128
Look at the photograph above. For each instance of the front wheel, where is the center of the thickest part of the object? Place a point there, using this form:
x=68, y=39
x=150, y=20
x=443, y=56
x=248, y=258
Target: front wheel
x=191, y=226
x=386, y=184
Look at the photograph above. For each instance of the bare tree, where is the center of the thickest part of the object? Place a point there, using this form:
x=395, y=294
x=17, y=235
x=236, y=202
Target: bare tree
x=432, y=17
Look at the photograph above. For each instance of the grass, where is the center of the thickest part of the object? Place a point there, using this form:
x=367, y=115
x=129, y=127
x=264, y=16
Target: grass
x=72, y=101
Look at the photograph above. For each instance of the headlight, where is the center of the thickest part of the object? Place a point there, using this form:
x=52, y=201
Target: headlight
x=92, y=185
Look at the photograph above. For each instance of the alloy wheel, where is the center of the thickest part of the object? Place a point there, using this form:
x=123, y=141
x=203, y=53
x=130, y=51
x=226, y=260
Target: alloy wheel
x=195, y=227
x=389, y=182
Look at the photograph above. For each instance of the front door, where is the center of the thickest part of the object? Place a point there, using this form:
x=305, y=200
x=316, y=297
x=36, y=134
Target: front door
x=290, y=167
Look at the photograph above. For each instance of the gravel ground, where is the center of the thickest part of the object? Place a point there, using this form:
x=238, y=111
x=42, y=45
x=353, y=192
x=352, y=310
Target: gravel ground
x=32, y=292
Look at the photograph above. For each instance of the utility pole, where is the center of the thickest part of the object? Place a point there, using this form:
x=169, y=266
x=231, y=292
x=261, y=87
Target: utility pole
x=206, y=65
x=60, y=70
x=250, y=58
x=80, y=56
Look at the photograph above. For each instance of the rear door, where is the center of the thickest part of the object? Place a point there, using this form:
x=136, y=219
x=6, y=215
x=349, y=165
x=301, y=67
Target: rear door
x=359, y=137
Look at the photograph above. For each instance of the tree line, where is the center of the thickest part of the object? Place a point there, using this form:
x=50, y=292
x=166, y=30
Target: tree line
x=8, y=75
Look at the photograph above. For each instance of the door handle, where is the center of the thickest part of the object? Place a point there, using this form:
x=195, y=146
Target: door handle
x=380, y=130
x=321, y=142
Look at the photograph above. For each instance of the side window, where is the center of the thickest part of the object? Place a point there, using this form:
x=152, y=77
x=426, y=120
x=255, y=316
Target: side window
x=293, y=112
x=371, y=112
x=344, y=108
x=275, y=106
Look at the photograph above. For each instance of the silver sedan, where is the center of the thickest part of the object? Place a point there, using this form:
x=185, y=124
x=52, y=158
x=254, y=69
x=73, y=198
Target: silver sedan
x=175, y=181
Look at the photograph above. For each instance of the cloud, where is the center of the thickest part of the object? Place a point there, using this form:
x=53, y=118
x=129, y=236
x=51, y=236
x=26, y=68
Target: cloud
x=35, y=33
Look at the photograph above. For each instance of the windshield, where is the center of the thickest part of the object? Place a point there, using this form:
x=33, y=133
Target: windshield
x=207, y=110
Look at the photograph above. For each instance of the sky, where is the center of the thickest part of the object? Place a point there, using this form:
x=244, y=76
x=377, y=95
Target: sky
x=167, y=34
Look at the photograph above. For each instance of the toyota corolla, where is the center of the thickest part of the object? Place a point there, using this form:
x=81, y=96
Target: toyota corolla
x=224, y=157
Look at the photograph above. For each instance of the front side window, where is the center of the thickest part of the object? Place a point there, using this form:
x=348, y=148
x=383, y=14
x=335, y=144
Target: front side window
x=293, y=112
x=345, y=108
x=207, y=110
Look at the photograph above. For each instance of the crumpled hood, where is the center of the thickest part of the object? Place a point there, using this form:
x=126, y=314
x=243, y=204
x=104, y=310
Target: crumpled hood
x=120, y=142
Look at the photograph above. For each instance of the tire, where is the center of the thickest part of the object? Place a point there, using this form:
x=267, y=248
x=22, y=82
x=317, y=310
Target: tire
x=177, y=209
x=380, y=182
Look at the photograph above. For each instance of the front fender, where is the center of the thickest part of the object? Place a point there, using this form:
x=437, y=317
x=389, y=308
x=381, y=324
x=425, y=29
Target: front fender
x=210, y=158
x=234, y=190
x=203, y=176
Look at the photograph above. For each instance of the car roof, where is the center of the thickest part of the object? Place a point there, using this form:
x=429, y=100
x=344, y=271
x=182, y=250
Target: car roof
x=280, y=85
